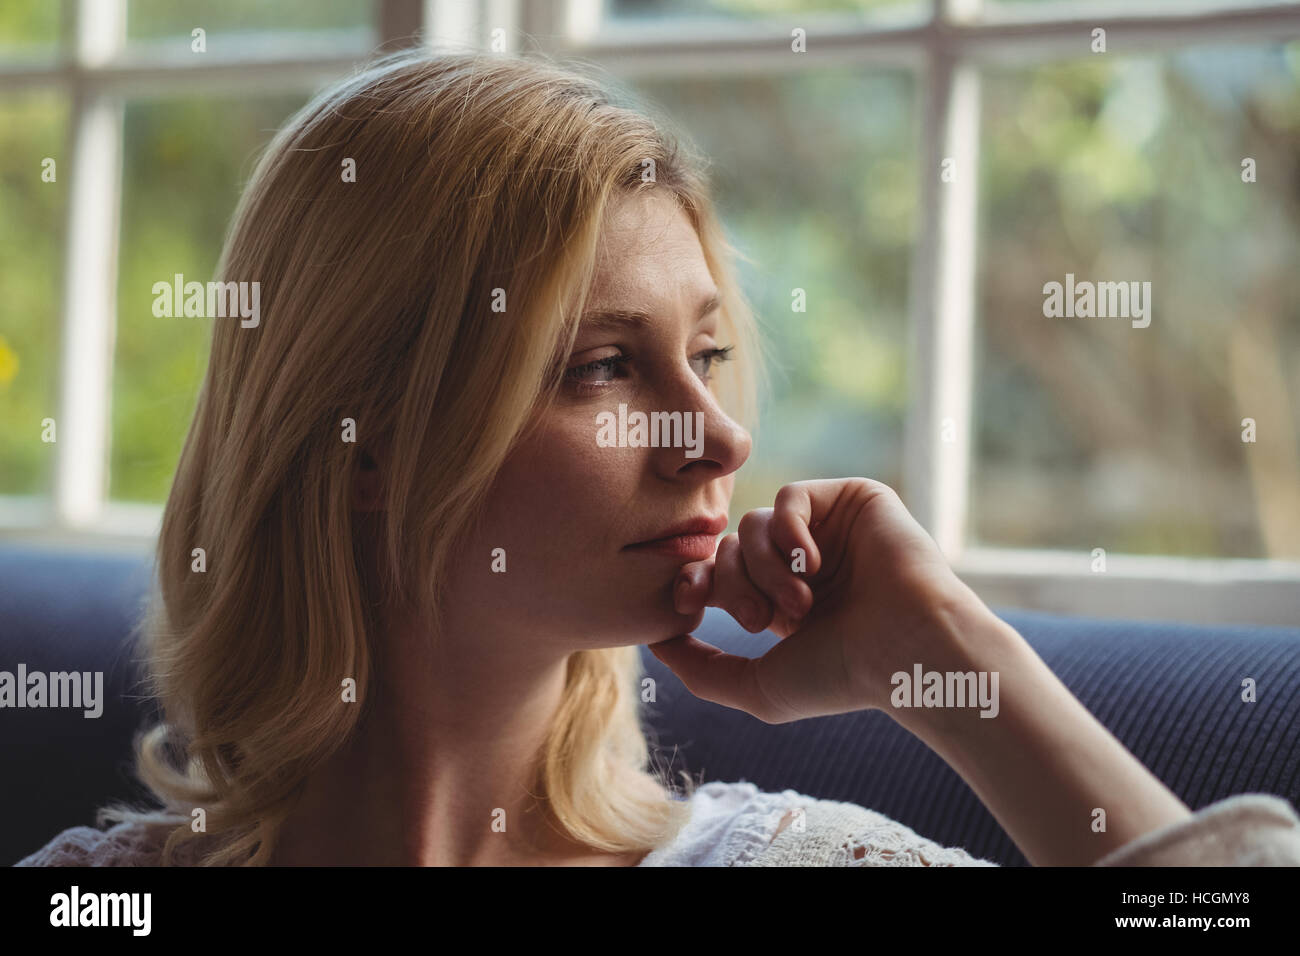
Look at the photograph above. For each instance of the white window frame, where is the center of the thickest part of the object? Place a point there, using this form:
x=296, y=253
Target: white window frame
x=945, y=50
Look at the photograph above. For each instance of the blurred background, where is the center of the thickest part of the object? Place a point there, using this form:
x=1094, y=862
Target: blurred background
x=1030, y=447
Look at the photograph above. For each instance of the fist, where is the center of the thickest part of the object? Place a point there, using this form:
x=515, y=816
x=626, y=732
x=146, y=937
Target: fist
x=844, y=575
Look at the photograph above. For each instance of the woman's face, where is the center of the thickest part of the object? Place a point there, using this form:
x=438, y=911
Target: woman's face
x=590, y=525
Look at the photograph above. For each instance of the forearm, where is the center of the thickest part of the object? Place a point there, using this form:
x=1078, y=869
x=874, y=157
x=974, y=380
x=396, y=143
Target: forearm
x=1044, y=764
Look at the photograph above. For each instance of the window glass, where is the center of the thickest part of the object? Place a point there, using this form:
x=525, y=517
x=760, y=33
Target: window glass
x=1177, y=172
x=165, y=18
x=29, y=28
x=34, y=186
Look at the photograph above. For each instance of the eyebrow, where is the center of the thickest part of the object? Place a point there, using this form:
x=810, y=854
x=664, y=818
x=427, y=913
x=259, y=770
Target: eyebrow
x=613, y=318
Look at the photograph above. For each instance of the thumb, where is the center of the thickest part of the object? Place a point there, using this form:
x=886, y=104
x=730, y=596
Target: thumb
x=714, y=675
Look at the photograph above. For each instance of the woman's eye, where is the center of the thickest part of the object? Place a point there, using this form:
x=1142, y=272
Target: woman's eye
x=603, y=372
x=703, y=362
x=599, y=373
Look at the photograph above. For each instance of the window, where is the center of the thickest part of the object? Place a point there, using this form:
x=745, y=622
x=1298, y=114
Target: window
x=1130, y=168
x=33, y=128
x=128, y=129
x=919, y=173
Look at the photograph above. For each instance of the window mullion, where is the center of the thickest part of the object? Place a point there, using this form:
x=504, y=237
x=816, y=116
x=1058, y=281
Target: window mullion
x=451, y=24
x=937, y=437
x=89, y=274
x=955, y=316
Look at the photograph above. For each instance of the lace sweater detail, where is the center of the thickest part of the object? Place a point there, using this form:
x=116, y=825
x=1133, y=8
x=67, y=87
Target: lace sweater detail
x=736, y=824
x=126, y=844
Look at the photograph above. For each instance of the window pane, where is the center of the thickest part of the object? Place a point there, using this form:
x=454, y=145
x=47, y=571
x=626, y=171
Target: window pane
x=28, y=27
x=815, y=176
x=33, y=133
x=163, y=18
x=1092, y=432
x=184, y=163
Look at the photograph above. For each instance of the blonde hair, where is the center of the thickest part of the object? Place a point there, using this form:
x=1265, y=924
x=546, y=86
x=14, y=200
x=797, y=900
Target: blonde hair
x=473, y=172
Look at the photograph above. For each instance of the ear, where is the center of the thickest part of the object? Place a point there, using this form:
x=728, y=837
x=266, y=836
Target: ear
x=367, y=485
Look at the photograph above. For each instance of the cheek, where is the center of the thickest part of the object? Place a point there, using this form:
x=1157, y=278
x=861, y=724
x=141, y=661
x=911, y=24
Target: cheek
x=558, y=495
x=558, y=512
x=562, y=508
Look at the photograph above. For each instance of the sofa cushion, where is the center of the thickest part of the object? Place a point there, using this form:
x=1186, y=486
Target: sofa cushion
x=1170, y=692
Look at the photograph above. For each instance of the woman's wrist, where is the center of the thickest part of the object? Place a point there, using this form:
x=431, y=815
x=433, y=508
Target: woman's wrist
x=1046, y=768
x=939, y=673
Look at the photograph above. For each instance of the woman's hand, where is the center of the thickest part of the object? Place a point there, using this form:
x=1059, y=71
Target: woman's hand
x=877, y=598
x=842, y=572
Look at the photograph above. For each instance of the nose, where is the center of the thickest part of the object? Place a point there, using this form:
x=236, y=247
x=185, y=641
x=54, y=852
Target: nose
x=727, y=445
x=715, y=444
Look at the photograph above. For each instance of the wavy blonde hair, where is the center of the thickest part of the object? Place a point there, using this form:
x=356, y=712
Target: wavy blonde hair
x=473, y=172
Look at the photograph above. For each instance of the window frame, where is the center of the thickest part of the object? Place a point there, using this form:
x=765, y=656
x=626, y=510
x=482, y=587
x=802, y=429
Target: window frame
x=945, y=48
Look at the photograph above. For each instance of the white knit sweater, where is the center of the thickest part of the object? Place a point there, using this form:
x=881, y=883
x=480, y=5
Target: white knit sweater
x=736, y=824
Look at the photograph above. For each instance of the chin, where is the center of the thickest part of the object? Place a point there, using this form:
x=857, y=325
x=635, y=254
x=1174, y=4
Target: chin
x=633, y=606
x=651, y=623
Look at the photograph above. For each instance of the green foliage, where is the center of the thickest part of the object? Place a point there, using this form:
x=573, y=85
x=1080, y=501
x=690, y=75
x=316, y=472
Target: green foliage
x=1089, y=432
x=29, y=26
x=32, y=127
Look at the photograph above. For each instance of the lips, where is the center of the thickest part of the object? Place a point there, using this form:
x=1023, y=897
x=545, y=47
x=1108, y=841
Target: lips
x=693, y=540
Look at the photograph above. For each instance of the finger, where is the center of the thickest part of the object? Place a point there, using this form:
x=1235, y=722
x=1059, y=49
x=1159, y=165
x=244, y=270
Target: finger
x=735, y=592
x=692, y=585
x=798, y=509
x=714, y=675
x=767, y=567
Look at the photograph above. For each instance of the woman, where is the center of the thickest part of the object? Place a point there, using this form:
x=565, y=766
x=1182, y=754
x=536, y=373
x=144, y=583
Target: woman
x=405, y=564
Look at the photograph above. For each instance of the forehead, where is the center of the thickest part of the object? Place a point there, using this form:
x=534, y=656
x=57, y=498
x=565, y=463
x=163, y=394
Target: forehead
x=648, y=244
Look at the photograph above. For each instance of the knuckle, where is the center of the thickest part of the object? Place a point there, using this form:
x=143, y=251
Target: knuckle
x=752, y=521
x=786, y=493
x=873, y=487
x=728, y=547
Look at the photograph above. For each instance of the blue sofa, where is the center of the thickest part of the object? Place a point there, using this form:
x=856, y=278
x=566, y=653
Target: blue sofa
x=1170, y=692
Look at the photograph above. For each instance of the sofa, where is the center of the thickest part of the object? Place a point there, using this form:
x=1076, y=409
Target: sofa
x=1170, y=692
